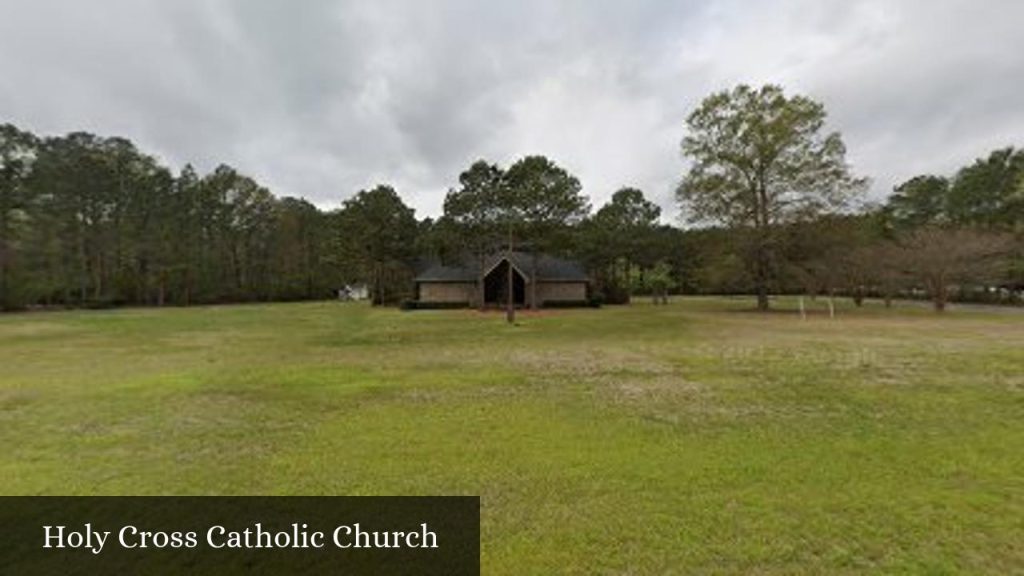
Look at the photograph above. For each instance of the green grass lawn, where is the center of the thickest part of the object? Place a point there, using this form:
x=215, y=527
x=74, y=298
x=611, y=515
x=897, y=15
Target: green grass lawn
x=697, y=437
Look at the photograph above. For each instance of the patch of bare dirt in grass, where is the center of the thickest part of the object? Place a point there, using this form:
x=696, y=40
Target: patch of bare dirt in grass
x=658, y=390
x=492, y=392
x=585, y=362
x=625, y=378
x=612, y=376
x=12, y=399
x=708, y=408
x=31, y=330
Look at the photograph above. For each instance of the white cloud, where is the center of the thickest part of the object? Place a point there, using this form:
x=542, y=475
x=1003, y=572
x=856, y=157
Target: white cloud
x=320, y=99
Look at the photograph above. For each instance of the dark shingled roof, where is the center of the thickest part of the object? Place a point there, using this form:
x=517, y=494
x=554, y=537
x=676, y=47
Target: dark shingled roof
x=549, y=269
x=441, y=273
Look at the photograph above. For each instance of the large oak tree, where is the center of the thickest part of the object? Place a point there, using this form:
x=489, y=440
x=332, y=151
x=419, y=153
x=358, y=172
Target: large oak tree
x=761, y=159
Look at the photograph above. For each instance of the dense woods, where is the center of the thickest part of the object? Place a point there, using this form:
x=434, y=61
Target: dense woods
x=90, y=221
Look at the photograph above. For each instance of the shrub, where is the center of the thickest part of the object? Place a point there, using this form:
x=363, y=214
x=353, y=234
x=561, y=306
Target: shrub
x=614, y=295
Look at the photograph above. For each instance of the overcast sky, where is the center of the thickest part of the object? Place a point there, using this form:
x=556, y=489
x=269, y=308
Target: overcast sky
x=322, y=98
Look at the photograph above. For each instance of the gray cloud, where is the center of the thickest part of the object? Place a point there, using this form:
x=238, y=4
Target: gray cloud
x=319, y=99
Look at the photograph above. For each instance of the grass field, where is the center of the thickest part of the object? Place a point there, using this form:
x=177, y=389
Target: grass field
x=698, y=437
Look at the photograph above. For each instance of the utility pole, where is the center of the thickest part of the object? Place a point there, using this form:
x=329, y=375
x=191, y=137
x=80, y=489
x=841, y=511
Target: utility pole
x=510, y=311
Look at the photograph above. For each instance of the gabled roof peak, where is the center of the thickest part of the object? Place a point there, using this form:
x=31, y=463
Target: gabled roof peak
x=546, y=267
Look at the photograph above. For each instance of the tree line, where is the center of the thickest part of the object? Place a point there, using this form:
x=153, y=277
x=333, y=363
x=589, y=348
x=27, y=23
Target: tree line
x=90, y=221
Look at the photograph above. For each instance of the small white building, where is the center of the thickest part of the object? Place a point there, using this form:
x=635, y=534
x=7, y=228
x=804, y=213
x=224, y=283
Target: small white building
x=354, y=292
